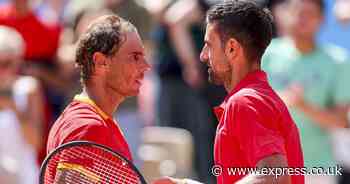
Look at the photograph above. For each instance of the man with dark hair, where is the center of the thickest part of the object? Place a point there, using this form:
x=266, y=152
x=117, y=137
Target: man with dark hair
x=255, y=129
x=312, y=79
x=112, y=61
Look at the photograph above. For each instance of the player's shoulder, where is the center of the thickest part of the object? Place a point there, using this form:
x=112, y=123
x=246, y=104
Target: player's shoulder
x=79, y=121
x=245, y=96
x=254, y=96
x=78, y=115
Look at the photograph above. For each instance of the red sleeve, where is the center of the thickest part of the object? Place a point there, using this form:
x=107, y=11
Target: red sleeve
x=257, y=141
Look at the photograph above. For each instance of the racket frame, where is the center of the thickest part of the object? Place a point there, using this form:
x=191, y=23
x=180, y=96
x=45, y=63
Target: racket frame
x=85, y=143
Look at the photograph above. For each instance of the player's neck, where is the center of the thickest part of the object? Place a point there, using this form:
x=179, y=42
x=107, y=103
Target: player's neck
x=106, y=101
x=239, y=73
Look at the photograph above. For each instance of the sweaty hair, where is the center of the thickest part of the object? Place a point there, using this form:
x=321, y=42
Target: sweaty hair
x=106, y=34
x=245, y=21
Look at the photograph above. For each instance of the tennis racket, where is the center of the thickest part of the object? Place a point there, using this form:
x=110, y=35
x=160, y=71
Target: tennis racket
x=83, y=162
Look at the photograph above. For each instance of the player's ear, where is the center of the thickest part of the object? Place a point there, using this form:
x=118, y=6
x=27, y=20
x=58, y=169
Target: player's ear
x=100, y=60
x=232, y=48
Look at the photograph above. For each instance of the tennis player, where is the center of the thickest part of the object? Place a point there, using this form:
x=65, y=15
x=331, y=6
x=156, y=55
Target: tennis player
x=112, y=63
x=255, y=129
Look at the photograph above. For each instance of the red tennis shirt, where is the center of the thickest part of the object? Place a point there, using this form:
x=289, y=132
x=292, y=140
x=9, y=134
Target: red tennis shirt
x=84, y=120
x=254, y=123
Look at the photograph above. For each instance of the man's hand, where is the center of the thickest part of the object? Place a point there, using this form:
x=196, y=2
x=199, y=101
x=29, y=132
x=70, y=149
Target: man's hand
x=272, y=161
x=293, y=96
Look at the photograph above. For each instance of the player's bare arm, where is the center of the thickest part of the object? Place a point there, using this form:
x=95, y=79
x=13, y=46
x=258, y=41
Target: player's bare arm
x=179, y=23
x=273, y=161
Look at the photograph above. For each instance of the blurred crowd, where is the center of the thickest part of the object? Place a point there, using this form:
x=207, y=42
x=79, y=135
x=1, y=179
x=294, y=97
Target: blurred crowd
x=308, y=63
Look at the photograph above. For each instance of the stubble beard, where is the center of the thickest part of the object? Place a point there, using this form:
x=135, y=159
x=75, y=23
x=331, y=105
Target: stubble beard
x=214, y=78
x=218, y=79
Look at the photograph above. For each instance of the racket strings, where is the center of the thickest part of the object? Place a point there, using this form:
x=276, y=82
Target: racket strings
x=101, y=167
x=121, y=170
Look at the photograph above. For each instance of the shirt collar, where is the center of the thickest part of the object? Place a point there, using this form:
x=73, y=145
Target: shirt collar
x=250, y=78
x=87, y=100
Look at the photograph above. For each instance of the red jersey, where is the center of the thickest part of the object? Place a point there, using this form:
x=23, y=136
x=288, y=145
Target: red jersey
x=254, y=123
x=84, y=120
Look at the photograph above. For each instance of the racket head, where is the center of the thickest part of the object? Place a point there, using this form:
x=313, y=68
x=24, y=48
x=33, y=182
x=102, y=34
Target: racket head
x=89, y=163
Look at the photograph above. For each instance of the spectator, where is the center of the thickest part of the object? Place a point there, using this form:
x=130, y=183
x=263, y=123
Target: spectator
x=341, y=136
x=20, y=113
x=308, y=80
